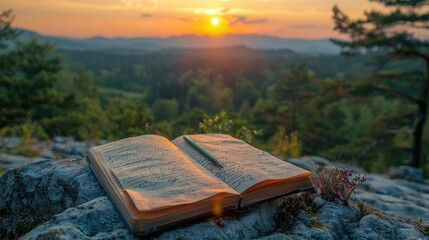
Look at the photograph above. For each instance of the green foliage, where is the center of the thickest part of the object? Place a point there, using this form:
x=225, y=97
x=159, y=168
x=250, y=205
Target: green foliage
x=128, y=118
x=32, y=76
x=222, y=123
x=285, y=144
x=245, y=111
x=393, y=30
x=28, y=72
x=328, y=105
x=207, y=91
x=165, y=109
x=293, y=90
x=26, y=130
x=6, y=31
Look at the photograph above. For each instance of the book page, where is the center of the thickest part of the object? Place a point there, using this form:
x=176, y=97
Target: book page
x=156, y=174
x=244, y=165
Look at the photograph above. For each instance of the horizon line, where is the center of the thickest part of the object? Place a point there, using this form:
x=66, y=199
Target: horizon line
x=178, y=35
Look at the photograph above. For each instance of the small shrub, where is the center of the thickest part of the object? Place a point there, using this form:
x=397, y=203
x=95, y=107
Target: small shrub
x=288, y=211
x=286, y=144
x=336, y=184
x=222, y=123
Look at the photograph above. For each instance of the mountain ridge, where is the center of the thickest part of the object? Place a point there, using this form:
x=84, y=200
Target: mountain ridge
x=187, y=41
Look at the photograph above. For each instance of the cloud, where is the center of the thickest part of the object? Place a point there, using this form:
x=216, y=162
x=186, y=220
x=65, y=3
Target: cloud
x=178, y=18
x=217, y=11
x=97, y=2
x=245, y=20
x=115, y=4
x=306, y=26
x=146, y=15
x=184, y=19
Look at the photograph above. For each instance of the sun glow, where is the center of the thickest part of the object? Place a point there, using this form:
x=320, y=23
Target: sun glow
x=215, y=21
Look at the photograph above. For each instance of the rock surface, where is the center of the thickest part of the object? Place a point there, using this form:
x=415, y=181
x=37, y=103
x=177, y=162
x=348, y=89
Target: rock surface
x=71, y=201
x=404, y=198
x=35, y=150
x=14, y=161
x=33, y=194
x=49, y=186
x=406, y=172
x=98, y=219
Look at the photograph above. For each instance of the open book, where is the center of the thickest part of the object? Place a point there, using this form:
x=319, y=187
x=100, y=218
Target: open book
x=155, y=183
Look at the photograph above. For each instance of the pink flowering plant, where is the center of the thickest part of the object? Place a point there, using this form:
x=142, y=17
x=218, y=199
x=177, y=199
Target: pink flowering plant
x=336, y=184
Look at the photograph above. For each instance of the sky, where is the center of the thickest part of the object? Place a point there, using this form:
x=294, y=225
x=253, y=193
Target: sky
x=163, y=18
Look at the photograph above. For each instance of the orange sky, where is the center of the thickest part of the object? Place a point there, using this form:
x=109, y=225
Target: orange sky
x=132, y=18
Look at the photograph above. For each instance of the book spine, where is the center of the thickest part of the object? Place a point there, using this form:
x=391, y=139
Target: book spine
x=238, y=206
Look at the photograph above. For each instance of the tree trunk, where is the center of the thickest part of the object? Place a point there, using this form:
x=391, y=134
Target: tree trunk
x=418, y=134
x=420, y=122
x=293, y=115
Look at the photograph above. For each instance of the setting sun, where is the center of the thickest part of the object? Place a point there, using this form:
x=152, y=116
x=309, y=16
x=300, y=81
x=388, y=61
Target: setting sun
x=215, y=21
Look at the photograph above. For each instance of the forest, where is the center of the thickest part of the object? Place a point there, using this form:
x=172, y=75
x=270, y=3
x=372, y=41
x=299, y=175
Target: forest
x=286, y=103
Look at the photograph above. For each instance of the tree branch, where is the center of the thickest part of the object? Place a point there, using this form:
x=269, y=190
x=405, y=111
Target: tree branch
x=397, y=92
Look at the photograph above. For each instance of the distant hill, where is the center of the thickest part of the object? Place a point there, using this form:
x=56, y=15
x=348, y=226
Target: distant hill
x=255, y=41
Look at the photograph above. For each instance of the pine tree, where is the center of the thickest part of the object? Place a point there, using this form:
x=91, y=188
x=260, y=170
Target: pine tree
x=395, y=32
x=27, y=76
x=294, y=89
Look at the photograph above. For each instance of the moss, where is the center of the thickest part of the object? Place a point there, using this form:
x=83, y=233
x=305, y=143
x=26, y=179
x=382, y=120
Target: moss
x=315, y=224
x=366, y=209
x=22, y=228
x=13, y=226
x=17, y=175
x=312, y=214
x=60, y=155
x=287, y=213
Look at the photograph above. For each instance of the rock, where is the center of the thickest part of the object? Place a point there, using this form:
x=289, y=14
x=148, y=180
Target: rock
x=400, y=197
x=376, y=226
x=98, y=219
x=14, y=161
x=407, y=173
x=48, y=155
x=79, y=148
x=61, y=139
x=10, y=142
x=46, y=188
x=73, y=205
x=312, y=163
x=60, y=148
x=309, y=162
x=72, y=148
x=276, y=236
